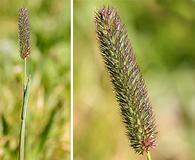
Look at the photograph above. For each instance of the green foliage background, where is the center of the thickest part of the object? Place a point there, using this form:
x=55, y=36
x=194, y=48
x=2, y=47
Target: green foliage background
x=48, y=125
x=163, y=35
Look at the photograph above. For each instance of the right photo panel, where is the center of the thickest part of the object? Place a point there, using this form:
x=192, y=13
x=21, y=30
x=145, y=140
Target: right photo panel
x=134, y=80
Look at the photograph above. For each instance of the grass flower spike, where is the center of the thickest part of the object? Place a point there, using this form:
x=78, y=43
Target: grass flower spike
x=129, y=85
x=24, y=33
x=24, y=41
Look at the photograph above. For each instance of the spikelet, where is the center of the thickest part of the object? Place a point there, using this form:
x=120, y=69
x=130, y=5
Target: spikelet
x=24, y=33
x=129, y=86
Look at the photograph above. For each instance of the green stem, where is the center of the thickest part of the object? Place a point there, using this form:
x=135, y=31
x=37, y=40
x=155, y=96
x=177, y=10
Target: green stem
x=25, y=71
x=148, y=156
x=23, y=119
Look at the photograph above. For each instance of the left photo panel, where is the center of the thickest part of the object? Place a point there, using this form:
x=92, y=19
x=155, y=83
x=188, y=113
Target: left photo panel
x=35, y=79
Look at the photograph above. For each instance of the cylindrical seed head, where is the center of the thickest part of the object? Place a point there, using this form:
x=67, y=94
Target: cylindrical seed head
x=24, y=33
x=129, y=85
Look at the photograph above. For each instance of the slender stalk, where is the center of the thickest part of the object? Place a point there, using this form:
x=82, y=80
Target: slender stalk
x=148, y=156
x=25, y=71
x=23, y=119
x=22, y=137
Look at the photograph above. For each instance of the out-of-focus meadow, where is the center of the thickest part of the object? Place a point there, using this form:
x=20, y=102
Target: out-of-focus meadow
x=163, y=35
x=48, y=125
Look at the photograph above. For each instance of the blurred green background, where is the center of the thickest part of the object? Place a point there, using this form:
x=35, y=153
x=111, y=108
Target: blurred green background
x=48, y=116
x=163, y=35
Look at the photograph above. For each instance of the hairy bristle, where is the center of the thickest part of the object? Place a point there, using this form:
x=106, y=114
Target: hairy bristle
x=129, y=86
x=24, y=33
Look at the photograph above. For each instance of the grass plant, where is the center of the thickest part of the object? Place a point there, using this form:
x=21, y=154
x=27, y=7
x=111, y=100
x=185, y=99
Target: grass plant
x=24, y=41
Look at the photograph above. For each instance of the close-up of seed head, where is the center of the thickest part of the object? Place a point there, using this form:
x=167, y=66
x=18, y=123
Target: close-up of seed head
x=24, y=33
x=127, y=80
